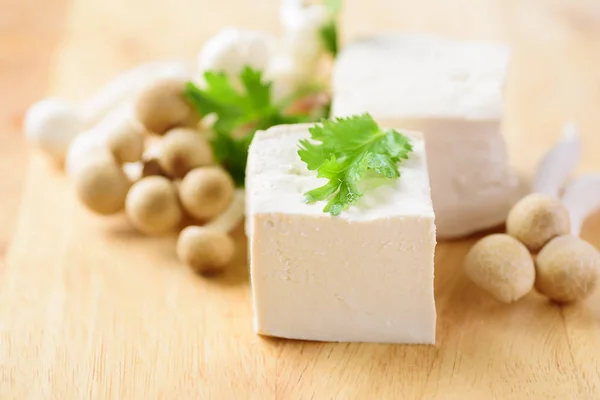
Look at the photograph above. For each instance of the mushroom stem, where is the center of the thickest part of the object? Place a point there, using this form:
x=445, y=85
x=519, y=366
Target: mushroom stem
x=53, y=123
x=137, y=170
x=581, y=198
x=558, y=162
x=127, y=85
x=94, y=140
x=232, y=216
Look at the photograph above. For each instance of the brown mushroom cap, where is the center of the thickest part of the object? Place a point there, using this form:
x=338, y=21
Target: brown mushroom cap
x=206, y=192
x=152, y=205
x=536, y=219
x=102, y=185
x=126, y=142
x=162, y=106
x=206, y=251
x=183, y=149
x=567, y=269
x=502, y=266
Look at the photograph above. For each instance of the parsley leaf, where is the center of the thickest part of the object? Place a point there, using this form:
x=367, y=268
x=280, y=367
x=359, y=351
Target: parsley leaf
x=344, y=150
x=239, y=114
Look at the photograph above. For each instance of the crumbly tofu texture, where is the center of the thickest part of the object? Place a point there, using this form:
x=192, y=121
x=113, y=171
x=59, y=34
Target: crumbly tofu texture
x=452, y=92
x=363, y=276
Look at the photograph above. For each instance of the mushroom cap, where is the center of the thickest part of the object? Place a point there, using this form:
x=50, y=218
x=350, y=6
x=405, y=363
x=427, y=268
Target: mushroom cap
x=183, y=149
x=162, y=106
x=102, y=186
x=567, y=269
x=126, y=142
x=52, y=124
x=206, y=192
x=206, y=251
x=152, y=205
x=85, y=148
x=502, y=266
x=536, y=219
x=231, y=49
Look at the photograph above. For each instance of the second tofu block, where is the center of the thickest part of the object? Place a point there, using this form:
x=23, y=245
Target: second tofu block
x=363, y=276
x=452, y=92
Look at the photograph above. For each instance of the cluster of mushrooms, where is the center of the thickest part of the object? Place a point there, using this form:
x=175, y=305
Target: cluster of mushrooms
x=537, y=251
x=158, y=166
x=136, y=145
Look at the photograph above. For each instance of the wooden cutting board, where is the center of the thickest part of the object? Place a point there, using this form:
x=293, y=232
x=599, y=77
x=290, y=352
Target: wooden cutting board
x=91, y=309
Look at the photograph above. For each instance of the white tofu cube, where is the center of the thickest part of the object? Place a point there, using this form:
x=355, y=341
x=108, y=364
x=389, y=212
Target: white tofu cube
x=363, y=276
x=452, y=92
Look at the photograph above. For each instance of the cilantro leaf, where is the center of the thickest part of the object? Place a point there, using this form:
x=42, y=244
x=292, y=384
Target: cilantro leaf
x=232, y=108
x=344, y=150
x=329, y=37
x=259, y=92
x=239, y=113
x=329, y=32
x=232, y=154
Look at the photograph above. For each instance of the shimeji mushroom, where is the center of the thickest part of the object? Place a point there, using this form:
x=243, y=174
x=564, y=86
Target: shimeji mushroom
x=53, y=123
x=536, y=219
x=208, y=249
x=126, y=142
x=148, y=165
x=581, y=195
x=161, y=106
x=93, y=143
x=581, y=198
x=182, y=150
x=502, y=266
x=230, y=50
x=567, y=269
x=206, y=192
x=102, y=186
x=152, y=205
x=558, y=162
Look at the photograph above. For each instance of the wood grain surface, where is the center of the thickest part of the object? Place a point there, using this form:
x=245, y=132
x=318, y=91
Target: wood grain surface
x=91, y=309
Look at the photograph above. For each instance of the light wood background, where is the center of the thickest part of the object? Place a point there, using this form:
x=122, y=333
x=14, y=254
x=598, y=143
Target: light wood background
x=90, y=309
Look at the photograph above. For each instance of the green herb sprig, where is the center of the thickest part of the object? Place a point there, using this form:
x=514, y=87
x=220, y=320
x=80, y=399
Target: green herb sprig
x=344, y=150
x=329, y=31
x=239, y=113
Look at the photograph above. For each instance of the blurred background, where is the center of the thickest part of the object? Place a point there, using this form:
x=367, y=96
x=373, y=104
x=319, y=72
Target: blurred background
x=70, y=47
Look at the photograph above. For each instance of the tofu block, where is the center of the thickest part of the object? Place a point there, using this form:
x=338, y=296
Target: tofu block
x=452, y=92
x=363, y=276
